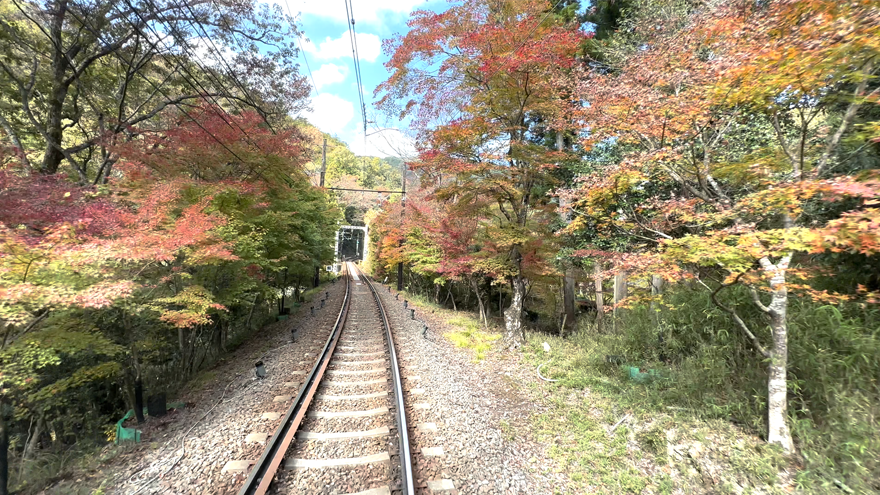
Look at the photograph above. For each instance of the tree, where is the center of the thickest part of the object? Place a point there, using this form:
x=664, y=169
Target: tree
x=714, y=181
x=185, y=235
x=77, y=76
x=501, y=63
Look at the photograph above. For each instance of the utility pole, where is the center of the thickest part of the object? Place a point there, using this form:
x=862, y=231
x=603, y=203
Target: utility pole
x=317, y=280
x=402, y=213
x=323, y=162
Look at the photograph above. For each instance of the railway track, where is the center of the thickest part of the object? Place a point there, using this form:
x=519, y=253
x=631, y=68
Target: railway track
x=346, y=430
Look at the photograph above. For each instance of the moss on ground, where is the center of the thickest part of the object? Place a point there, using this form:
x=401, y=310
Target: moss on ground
x=471, y=335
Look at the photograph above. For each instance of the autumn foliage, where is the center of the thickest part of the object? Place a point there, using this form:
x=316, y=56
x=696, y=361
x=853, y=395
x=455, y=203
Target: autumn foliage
x=726, y=148
x=200, y=224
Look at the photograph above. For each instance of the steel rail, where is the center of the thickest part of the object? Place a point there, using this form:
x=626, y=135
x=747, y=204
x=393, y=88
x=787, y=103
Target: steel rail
x=261, y=476
x=407, y=481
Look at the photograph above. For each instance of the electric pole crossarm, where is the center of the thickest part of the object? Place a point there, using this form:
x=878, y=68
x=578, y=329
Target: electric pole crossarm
x=365, y=190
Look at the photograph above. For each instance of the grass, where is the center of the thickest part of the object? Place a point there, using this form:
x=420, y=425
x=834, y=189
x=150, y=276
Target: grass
x=659, y=448
x=471, y=335
x=201, y=379
x=469, y=332
x=63, y=466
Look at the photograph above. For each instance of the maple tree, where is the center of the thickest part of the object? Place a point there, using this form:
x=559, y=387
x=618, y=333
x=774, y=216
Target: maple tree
x=500, y=62
x=443, y=242
x=61, y=98
x=187, y=235
x=700, y=188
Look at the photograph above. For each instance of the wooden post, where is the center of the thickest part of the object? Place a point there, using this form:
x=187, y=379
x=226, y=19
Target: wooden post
x=568, y=299
x=600, y=295
x=619, y=293
x=317, y=279
x=402, y=212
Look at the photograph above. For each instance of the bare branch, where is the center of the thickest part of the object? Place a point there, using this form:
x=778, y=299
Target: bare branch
x=736, y=318
x=834, y=140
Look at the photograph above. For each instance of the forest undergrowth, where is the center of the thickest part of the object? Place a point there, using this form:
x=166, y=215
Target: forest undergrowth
x=695, y=414
x=678, y=408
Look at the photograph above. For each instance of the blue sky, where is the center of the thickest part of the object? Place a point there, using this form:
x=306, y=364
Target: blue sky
x=335, y=105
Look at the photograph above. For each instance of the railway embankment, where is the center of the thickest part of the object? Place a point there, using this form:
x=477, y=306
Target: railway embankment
x=482, y=419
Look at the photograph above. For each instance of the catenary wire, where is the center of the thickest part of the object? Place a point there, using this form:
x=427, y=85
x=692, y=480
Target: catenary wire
x=229, y=122
x=165, y=94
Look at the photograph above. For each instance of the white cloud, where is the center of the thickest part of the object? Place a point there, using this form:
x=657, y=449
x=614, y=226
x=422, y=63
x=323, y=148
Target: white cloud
x=369, y=47
x=384, y=142
x=329, y=74
x=330, y=113
x=366, y=11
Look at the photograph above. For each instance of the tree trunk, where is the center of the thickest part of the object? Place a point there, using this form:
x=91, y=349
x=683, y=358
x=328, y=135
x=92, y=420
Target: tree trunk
x=52, y=155
x=514, y=333
x=139, y=400
x=217, y=337
x=4, y=451
x=656, y=290
x=138, y=387
x=619, y=294
x=568, y=299
x=777, y=388
x=16, y=142
x=452, y=297
x=600, y=295
x=34, y=440
x=476, y=288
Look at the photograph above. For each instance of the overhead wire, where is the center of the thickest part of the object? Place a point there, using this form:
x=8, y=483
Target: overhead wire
x=352, y=35
x=308, y=68
x=195, y=60
x=305, y=57
x=226, y=23
x=198, y=26
x=299, y=42
x=157, y=88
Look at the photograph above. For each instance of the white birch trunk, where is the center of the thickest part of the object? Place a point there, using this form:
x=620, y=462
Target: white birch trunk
x=777, y=386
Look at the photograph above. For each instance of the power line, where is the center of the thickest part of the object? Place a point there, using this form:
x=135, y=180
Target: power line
x=352, y=34
x=306, y=60
x=157, y=88
x=194, y=59
x=299, y=42
x=198, y=26
x=232, y=31
x=175, y=32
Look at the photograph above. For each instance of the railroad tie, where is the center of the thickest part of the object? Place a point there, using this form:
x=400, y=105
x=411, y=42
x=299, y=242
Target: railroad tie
x=348, y=461
x=311, y=435
x=348, y=414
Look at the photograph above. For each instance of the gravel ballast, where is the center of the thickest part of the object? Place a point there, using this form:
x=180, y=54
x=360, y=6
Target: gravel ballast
x=467, y=401
x=455, y=410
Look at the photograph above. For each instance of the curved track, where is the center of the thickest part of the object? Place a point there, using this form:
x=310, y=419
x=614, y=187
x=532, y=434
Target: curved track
x=347, y=424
